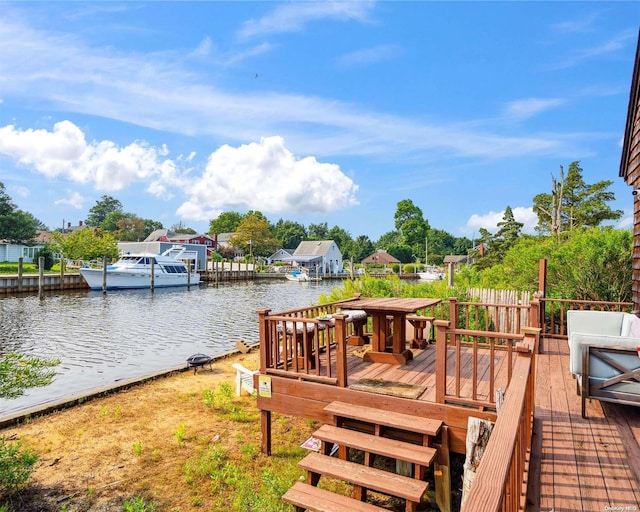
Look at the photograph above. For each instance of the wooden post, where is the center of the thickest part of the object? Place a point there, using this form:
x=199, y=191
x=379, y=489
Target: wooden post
x=20, y=270
x=341, y=349
x=265, y=348
x=441, y=359
x=442, y=472
x=265, y=426
x=478, y=433
x=153, y=273
x=542, y=277
x=62, y=272
x=104, y=274
x=188, y=273
x=40, y=276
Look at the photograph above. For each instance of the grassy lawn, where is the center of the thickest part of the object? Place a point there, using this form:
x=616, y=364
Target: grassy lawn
x=27, y=268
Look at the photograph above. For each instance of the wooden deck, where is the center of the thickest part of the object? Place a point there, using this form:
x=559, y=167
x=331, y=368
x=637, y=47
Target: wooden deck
x=588, y=464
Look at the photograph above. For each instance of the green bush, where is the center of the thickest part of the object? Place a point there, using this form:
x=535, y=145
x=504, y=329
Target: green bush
x=47, y=254
x=16, y=465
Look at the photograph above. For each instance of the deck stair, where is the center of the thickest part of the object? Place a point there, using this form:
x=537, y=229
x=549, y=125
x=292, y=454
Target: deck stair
x=367, y=432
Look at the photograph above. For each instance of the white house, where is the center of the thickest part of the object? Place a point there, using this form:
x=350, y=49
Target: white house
x=322, y=256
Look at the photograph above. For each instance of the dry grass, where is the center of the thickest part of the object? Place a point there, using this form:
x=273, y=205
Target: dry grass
x=183, y=442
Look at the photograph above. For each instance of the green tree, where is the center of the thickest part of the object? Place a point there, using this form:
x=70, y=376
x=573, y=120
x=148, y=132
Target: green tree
x=289, y=234
x=130, y=229
x=18, y=373
x=254, y=236
x=103, y=207
x=226, y=222
x=86, y=244
x=318, y=231
x=15, y=225
x=509, y=230
x=573, y=203
x=150, y=226
x=18, y=226
x=410, y=223
x=47, y=254
x=362, y=247
x=388, y=239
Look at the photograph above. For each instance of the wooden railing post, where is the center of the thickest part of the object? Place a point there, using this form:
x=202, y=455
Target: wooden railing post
x=534, y=313
x=265, y=345
x=453, y=312
x=341, y=349
x=441, y=359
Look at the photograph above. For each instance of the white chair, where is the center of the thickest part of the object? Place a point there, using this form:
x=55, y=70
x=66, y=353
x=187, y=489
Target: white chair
x=244, y=379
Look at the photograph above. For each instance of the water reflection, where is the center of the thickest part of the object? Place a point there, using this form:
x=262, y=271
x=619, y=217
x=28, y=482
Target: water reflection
x=101, y=339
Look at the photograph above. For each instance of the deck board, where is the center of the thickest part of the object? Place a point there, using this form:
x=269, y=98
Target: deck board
x=588, y=464
x=580, y=464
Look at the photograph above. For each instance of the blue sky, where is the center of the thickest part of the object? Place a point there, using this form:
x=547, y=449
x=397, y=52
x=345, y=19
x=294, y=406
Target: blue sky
x=311, y=111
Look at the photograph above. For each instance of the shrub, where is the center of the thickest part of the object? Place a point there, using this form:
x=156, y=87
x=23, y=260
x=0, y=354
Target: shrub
x=16, y=465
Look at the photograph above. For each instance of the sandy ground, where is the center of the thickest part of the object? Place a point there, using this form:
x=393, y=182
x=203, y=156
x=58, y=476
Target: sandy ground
x=137, y=442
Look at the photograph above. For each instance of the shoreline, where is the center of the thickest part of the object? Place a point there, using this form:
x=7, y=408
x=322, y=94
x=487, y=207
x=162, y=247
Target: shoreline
x=51, y=407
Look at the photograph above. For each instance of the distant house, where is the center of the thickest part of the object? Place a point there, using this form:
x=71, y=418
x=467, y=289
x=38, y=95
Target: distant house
x=196, y=253
x=322, y=256
x=630, y=168
x=166, y=235
x=280, y=255
x=453, y=259
x=12, y=252
x=380, y=257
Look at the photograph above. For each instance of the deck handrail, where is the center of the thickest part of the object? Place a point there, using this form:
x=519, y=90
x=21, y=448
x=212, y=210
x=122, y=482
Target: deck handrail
x=500, y=482
x=552, y=317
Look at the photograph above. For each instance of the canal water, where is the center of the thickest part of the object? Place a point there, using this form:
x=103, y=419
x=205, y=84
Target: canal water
x=102, y=339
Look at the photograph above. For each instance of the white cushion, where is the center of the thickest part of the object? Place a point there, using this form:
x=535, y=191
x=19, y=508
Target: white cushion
x=595, y=322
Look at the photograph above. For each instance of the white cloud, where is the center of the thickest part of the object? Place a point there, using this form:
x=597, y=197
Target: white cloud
x=379, y=53
x=64, y=152
x=73, y=199
x=266, y=176
x=293, y=17
x=489, y=221
x=19, y=191
x=526, y=108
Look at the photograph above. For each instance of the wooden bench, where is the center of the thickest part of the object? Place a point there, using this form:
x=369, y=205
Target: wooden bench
x=307, y=497
x=365, y=477
x=420, y=323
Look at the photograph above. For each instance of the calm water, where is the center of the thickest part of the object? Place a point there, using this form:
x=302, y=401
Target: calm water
x=103, y=339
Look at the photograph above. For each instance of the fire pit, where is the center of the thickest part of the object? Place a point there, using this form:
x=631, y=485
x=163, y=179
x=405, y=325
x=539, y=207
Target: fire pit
x=199, y=360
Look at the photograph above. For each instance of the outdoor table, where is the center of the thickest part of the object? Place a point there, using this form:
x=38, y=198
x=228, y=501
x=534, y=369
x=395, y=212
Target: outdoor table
x=379, y=309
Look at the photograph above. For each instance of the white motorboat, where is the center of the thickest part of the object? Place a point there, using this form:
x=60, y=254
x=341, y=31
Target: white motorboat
x=134, y=271
x=431, y=274
x=298, y=275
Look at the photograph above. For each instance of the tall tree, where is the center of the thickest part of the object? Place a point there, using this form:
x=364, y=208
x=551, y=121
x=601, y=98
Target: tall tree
x=411, y=224
x=226, y=222
x=254, y=236
x=150, y=226
x=103, y=207
x=15, y=225
x=130, y=229
x=574, y=203
x=362, y=247
x=318, y=231
x=289, y=234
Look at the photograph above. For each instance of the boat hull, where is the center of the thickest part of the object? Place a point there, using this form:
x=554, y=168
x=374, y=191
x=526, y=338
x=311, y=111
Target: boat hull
x=118, y=280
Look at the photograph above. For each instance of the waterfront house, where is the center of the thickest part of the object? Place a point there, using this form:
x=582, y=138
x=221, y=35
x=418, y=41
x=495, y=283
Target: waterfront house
x=166, y=235
x=280, y=255
x=321, y=256
x=380, y=257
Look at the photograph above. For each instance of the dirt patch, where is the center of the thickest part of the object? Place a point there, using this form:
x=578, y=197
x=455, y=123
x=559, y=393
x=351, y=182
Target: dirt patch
x=183, y=442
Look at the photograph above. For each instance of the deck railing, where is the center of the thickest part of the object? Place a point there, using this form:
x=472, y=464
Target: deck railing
x=552, y=316
x=500, y=483
x=480, y=351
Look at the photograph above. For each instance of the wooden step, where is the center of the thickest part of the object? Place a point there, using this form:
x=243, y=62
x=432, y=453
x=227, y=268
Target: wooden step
x=399, y=450
x=398, y=420
x=307, y=497
x=364, y=476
